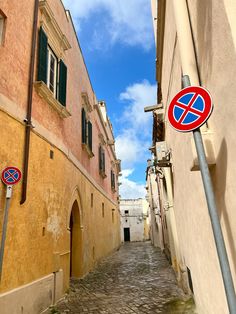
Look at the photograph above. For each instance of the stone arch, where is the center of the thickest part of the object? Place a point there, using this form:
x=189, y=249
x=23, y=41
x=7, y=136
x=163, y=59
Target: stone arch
x=75, y=226
x=75, y=197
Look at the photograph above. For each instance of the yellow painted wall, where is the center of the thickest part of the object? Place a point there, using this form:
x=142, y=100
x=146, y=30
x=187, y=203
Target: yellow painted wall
x=38, y=235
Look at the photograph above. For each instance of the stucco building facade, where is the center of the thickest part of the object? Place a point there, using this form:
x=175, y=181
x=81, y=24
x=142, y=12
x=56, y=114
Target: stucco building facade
x=64, y=215
x=197, y=38
x=134, y=220
x=157, y=225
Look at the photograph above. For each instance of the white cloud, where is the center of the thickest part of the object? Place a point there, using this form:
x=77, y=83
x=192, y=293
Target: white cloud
x=130, y=189
x=128, y=22
x=135, y=138
x=139, y=95
x=127, y=172
x=129, y=148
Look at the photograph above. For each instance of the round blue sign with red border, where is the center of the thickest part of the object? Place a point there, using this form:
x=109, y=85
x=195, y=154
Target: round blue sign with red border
x=11, y=175
x=190, y=109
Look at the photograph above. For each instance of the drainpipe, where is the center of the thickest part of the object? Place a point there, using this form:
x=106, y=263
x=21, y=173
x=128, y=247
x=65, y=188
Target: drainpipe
x=150, y=166
x=28, y=122
x=186, y=45
x=185, y=41
x=160, y=204
x=161, y=211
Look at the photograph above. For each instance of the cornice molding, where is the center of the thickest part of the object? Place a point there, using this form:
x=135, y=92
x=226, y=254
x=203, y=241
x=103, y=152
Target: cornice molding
x=102, y=139
x=56, y=38
x=86, y=102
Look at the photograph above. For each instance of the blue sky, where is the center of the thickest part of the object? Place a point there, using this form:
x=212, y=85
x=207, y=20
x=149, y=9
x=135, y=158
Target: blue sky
x=117, y=42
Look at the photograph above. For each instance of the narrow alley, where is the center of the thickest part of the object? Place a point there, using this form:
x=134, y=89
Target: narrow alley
x=135, y=279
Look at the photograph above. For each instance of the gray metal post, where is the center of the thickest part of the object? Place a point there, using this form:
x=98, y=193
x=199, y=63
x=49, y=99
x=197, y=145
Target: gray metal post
x=4, y=227
x=217, y=231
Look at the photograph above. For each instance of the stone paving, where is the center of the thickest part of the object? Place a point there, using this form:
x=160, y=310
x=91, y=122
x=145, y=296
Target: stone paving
x=135, y=279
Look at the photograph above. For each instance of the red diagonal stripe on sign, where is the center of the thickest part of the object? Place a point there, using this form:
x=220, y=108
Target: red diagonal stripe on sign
x=11, y=175
x=195, y=111
x=188, y=108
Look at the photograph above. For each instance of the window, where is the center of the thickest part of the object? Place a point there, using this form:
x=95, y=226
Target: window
x=87, y=133
x=51, y=70
x=84, y=126
x=113, y=183
x=126, y=212
x=2, y=27
x=92, y=200
x=102, y=165
x=103, y=210
x=90, y=135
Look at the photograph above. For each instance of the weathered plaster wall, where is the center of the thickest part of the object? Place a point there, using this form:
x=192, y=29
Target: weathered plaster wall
x=216, y=59
x=38, y=239
x=15, y=52
x=15, y=55
x=156, y=234
x=38, y=234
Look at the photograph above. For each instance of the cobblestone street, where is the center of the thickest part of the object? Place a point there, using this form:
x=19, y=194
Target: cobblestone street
x=135, y=279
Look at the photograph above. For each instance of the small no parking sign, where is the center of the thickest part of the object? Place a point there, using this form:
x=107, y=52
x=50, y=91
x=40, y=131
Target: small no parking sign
x=11, y=175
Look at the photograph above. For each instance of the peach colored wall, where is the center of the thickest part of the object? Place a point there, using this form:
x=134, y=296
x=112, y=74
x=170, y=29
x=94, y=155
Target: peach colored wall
x=15, y=54
x=216, y=57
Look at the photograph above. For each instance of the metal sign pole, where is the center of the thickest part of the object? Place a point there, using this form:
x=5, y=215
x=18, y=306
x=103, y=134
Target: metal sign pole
x=4, y=228
x=217, y=231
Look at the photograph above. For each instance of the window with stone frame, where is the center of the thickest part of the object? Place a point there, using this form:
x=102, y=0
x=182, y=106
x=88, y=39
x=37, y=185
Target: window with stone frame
x=51, y=70
x=102, y=161
x=87, y=133
x=51, y=80
x=113, y=181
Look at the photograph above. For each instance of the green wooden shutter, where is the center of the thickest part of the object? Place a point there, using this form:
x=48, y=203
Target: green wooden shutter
x=42, y=56
x=103, y=161
x=90, y=136
x=62, y=83
x=113, y=185
x=111, y=179
x=114, y=180
x=100, y=158
x=84, y=126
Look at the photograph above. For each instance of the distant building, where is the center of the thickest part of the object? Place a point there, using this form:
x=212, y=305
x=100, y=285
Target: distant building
x=134, y=220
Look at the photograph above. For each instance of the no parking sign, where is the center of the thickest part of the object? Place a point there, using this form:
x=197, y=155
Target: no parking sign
x=11, y=175
x=190, y=108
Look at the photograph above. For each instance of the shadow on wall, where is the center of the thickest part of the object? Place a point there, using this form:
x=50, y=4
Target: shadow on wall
x=219, y=175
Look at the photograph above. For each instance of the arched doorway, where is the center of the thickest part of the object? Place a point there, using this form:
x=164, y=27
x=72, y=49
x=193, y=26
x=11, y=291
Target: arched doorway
x=76, y=261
